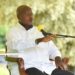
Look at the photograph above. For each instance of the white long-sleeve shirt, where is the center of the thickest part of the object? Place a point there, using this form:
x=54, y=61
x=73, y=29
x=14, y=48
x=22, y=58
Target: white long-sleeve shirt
x=20, y=40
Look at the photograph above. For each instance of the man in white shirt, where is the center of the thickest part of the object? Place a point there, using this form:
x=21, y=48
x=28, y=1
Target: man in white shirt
x=42, y=56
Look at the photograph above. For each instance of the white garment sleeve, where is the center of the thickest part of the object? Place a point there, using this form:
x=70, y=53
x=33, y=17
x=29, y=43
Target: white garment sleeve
x=15, y=42
x=53, y=51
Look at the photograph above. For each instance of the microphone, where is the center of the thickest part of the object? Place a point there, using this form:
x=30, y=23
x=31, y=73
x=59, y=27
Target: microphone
x=41, y=27
x=57, y=35
x=45, y=33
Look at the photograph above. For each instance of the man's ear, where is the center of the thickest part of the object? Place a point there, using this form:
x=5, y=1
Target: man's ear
x=20, y=17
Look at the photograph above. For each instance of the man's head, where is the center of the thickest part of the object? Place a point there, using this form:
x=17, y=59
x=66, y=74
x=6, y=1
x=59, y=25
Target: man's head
x=24, y=15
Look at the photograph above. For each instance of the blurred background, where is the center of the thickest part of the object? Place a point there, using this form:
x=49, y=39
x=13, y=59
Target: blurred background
x=57, y=16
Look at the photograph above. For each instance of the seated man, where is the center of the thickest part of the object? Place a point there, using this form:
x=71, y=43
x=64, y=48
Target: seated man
x=39, y=58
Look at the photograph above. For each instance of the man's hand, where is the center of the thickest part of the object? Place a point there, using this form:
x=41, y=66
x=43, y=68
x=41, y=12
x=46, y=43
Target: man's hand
x=48, y=38
x=21, y=66
x=45, y=39
x=20, y=62
x=59, y=63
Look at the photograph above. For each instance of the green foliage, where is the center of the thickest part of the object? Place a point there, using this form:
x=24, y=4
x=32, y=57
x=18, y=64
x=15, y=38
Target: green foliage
x=58, y=16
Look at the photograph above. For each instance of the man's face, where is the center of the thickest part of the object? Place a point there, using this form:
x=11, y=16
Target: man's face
x=27, y=18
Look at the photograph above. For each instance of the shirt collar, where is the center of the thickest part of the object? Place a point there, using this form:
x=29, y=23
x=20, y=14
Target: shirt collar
x=24, y=28
x=21, y=26
x=31, y=26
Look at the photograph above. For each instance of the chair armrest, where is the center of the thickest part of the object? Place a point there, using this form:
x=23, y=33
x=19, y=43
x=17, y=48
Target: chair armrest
x=20, y=62
x=11, y=59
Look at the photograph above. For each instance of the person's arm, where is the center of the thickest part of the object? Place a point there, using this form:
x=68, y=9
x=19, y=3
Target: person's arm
x=15, y=42
x=21, y=66
x=54, y=54
x=20, y=63
x=45, y=39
